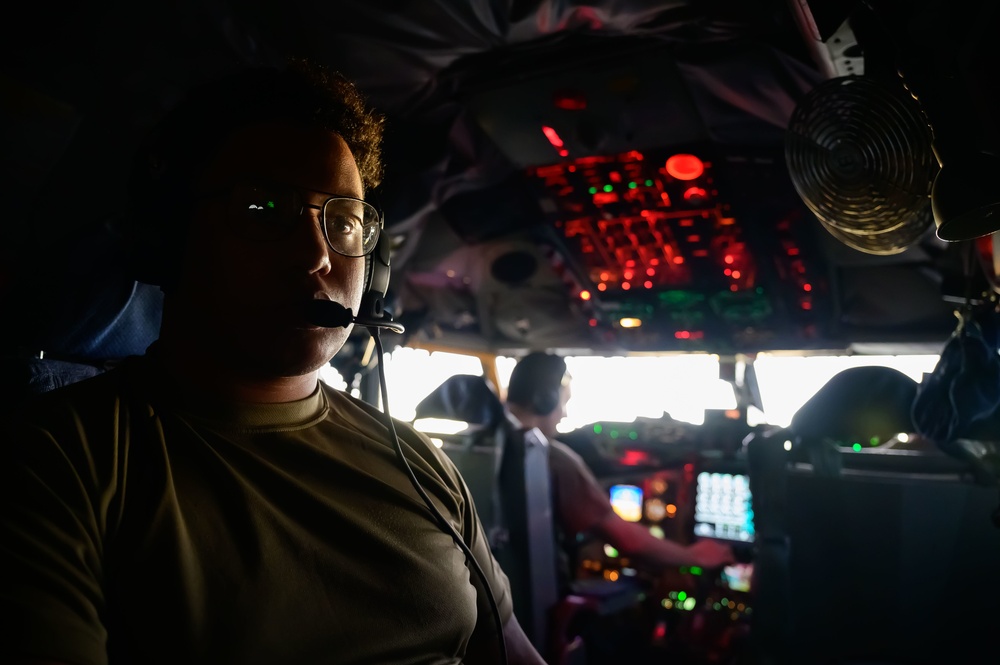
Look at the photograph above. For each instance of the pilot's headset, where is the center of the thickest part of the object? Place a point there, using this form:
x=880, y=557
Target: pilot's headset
x=536, y=382
x=162, y=192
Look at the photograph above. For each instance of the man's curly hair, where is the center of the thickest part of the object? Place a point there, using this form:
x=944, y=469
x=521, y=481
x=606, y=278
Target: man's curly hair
x=342, y=110
x=169, y=164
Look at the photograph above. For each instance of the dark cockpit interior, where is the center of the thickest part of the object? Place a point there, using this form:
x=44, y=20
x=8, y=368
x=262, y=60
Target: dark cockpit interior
x=729, y=177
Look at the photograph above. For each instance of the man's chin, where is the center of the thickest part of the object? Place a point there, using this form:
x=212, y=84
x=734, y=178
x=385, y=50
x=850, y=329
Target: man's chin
x=297, y=354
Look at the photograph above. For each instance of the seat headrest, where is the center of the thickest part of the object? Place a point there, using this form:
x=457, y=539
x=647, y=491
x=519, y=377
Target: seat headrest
x=859, y=402
x=464, y=397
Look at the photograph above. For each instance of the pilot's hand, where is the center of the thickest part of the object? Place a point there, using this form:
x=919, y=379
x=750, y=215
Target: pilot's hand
x=711, y=554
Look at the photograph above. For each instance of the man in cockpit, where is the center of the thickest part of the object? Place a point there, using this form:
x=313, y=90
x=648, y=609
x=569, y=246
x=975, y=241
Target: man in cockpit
x=537, y=395
x=212, y=501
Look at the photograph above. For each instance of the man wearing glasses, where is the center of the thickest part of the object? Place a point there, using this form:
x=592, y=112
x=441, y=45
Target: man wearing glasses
x=212, y=501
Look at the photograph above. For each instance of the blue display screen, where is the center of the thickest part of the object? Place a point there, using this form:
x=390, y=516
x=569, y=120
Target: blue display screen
x=626, y=500
x=723, y=508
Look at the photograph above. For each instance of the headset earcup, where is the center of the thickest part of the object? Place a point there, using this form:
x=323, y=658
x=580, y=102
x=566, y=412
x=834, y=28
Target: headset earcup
x=545, y=400
x=376, y=280
x=156, y=223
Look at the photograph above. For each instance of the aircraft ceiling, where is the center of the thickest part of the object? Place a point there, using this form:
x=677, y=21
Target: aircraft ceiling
x=489, y=104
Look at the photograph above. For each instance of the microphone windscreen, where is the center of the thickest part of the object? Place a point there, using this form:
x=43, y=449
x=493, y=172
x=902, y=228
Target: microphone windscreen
x=328, y=314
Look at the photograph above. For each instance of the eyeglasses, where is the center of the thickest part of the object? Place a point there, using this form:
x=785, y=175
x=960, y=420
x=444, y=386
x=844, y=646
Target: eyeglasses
x=270, y=211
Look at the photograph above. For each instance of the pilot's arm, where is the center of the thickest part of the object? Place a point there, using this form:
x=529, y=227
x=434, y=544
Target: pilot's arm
x=582, y=506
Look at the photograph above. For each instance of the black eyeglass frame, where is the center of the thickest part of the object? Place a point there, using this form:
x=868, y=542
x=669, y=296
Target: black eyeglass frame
x=302, y=205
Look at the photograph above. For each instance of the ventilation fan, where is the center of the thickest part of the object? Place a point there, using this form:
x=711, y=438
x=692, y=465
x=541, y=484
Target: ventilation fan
x=859, y=154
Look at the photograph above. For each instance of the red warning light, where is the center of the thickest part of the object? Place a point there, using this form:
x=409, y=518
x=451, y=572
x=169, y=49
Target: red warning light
x=553, y=136
x=628, y=274
x=685, y=167
x=695, y=194
x=682, y=334
x=626, y=286
x=570, y=100
x=807, y=287
x=650, y=272
x=602, y=287
x=729, y=259
x=648, y=284
x=736, y=274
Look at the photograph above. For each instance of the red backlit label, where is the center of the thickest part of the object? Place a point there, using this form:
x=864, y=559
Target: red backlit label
x=685, y=167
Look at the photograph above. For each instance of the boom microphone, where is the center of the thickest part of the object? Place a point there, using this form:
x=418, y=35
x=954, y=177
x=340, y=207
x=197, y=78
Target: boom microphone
x=330, y=314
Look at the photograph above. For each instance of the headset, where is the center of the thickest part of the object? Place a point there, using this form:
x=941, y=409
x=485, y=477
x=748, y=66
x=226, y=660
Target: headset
x=536, y=382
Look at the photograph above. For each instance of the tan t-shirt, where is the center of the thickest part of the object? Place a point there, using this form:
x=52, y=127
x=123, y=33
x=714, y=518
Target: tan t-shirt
x=141, y=524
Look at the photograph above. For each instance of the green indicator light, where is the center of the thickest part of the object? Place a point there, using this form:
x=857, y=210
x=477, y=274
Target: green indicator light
x=614, y=434
x=689, y=604
x=610, y=552
x=724, y=601
x=632, y=185
x=270, y=204
x=673, y=594
x=633, y=435
x=874, y=441
x=716, y=606
x=760, y=290
x=682, y=595
x=857, y=447
x=684, y=570
x=608, y=188
x=695, y=570
x=598, y=428
x=649, y=183
x=592, y=190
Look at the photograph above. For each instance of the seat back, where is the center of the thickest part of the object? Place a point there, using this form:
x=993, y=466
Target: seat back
x=890, y=560
x=506, y=468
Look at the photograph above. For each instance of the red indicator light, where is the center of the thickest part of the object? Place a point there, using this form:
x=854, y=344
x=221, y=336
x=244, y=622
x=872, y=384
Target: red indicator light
x=630, y=264
x=682, y=334
x=650, y=272
x=734, y=288
x=807, y=305
x=602, y=287
x=628, y=274
x=605, y=276
x=571, y=168
x=654, y=262
x=727, y=272
x=563, y=152
x=694, y=238
x=570, y=100
x=616, y=176
x=693, y=193
x=685, y=167
x=678, y=260
x=584, y=295
x=736, y=274
x=604, y=198
x=648, y=284
x=793, y=251
x=700, y=253
x=635, y=457
x=553, y=136
x=593, y=322
x=665, y=198
x=807, y=287
x=626, y=286
x=729, y=259
x=687, y=222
